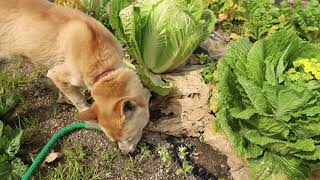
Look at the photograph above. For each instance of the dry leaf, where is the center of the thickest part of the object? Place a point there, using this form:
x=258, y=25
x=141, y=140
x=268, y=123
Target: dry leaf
x=52, y=157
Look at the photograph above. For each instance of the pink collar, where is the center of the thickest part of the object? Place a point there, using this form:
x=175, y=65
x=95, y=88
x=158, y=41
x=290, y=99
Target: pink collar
x=103, y=74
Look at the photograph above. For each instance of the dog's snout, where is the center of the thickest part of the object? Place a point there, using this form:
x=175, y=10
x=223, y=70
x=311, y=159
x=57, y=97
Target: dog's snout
x=126, y=148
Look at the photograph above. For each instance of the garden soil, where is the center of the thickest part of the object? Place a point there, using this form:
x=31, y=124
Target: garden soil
x=47, y=117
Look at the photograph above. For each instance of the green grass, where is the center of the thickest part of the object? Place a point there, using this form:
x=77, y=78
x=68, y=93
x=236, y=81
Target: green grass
x=25, y=122
x=81, y=163
x=54, y=111
x=13, y=76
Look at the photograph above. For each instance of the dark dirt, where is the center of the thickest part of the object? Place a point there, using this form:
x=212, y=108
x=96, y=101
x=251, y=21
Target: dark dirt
x=40, y=105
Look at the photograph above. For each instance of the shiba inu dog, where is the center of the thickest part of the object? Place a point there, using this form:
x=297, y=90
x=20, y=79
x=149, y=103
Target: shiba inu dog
x=78, y=51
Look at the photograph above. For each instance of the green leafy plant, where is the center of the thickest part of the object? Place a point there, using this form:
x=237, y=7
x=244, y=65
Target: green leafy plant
x=182, y=152
x=231, y=15
x=76, y=4
x=303, y=18
x=261, y=16
x=220, y=6
x=97, y=9
x=257, y=19
x=7, y=102
x=271, y=120
x=253, y=19
x=185, y=168
x=11, y=166
x=160, y=42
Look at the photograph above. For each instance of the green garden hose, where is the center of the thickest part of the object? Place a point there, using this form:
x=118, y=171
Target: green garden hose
x=46, y=149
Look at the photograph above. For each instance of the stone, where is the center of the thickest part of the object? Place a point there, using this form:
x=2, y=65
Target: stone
x=185, y=111
x=219, y=142
x=241, y=174
x=215, y=47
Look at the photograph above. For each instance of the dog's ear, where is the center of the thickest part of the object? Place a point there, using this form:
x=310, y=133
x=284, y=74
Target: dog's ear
x=128, y=107
x=87, y=115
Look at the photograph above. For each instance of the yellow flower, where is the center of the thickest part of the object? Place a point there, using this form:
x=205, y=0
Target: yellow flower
x=311, y=69
x=234, y=36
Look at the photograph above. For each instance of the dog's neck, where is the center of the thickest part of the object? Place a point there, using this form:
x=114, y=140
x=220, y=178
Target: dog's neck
x=93, y=71
x=103, y=74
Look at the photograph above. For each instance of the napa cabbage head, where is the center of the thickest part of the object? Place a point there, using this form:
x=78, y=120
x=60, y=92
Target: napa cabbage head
x=269, y=107
x=161, y=34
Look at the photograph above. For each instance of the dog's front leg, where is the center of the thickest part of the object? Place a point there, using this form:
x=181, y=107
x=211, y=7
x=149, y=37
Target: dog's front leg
x=60, y=76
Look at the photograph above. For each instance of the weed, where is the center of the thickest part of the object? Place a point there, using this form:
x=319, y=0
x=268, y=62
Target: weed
x=145, y=152
x=109, y=156
x=201, y=138
x=133, y=166
x=208, y=74
x=54, y=112
x=25, y=122
x=9, y=83
x=203, y=58
x=164, y=154
x=186, y=166
x=182, y=152
x=134, y=163
x=209, y=66
x=11, y=166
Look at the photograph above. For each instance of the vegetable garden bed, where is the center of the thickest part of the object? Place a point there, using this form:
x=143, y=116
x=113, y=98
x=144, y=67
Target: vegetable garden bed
x=254, y=99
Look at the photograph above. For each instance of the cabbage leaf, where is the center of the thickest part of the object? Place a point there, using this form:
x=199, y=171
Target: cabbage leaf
x=271, y=120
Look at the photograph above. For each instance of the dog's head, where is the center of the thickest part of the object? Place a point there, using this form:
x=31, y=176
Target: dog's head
x=121, y=108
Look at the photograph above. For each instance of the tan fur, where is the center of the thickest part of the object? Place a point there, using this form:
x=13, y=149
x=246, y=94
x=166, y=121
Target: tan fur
x=76, y=49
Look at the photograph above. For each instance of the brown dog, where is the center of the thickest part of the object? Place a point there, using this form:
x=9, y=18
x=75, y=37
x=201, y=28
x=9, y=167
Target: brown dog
x=78, y=51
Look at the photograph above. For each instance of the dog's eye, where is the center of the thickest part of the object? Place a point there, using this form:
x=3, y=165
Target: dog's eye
x=129, y=106
x=130, y=139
